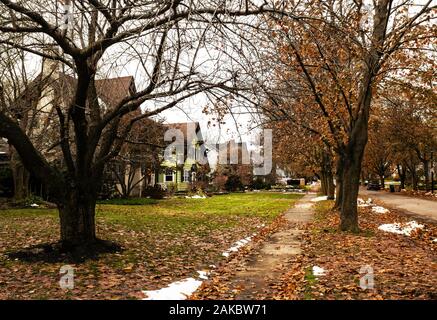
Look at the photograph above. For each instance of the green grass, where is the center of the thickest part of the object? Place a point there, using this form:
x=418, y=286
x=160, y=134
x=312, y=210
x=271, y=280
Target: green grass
x=129, y=201
x=310, y=280
x=162, y=240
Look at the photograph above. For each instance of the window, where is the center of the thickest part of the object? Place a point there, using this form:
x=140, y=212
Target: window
x=169, y=176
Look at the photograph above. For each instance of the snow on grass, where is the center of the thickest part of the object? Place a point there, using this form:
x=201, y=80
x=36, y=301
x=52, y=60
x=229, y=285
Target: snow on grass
x=317, y=199
x=398, y=228
x=178, y=290
x=195, y=197
x=182, y=289
x=318, y=271
x=378, y=209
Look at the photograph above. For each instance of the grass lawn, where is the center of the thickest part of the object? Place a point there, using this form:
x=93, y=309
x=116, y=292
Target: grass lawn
x=162, y=241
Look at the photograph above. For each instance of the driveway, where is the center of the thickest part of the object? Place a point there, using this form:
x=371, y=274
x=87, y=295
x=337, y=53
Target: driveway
x=425, y=209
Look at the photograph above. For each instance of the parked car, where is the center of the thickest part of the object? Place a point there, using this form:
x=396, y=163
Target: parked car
x=373, y=186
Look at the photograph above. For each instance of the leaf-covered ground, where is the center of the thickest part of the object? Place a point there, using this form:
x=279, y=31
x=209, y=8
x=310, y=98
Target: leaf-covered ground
x=162, y=241
x=403, y=267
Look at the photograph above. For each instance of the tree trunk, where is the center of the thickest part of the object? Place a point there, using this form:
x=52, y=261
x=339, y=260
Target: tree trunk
x=350, y=183
x=330, y=185
x=426, y=172
x=382, y=179
x=20, y=176
x=339, y=183
x=323, y=185
x=21, y=181
x=402, y=174
x=77, y=217
x=414, y=180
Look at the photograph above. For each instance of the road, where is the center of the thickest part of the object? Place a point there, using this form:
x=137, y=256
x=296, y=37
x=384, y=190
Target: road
x=426, y=209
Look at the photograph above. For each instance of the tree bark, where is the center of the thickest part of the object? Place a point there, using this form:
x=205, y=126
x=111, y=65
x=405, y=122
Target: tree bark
x=20, y=176
x=323, y=186
x=77, y=217
x=402, y=174
x=339, y=183
x=426, y=172
x=350, y=184
x=382, y=179
x=330, y=192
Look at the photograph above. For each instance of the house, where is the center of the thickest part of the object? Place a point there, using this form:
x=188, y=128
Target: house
x=233, y=159
x=186, y=164
x=35, y=108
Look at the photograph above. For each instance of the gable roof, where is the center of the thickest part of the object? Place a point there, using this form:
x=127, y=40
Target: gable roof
x=111, y=91
x=183, y=126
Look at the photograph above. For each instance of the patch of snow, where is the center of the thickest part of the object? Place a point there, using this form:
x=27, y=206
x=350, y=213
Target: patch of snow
x=318, y=271
x=398, y=228
x=362, y=203
x=178, y=290
x=378, y=209
x=203, y=275
x=195, y=197
x=317, y=199
x=237, y=245
x=434, y=240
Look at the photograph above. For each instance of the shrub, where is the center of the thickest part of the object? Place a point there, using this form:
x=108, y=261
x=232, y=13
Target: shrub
x=29, y=201
x=171, y=188
x=234, y=183
x=154, y=192
x=259, y=184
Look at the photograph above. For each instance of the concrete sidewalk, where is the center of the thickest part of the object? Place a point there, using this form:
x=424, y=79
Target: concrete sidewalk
x=261, y=268
x=425, y=209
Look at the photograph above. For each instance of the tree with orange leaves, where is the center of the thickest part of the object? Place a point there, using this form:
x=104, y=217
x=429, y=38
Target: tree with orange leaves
x=333, y=57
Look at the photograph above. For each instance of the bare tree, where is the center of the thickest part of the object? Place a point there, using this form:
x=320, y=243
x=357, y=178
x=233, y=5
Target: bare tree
x=172, y=44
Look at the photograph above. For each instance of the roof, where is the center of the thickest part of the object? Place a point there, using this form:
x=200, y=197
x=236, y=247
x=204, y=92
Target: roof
x=183, y=126
x=111, y=91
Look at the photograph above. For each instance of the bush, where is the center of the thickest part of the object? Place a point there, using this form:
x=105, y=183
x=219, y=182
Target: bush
x=29, y=201
x=171, y=189
x=155, y=192
x=259, y=184
x=234, y=183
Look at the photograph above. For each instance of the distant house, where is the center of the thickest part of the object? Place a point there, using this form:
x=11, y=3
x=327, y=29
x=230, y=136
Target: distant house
x=233, y=159
x=194, y=167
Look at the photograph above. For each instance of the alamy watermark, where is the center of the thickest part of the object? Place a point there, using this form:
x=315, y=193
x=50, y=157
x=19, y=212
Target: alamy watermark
x=67, y=277
x=67, y=19
x=367, y=281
